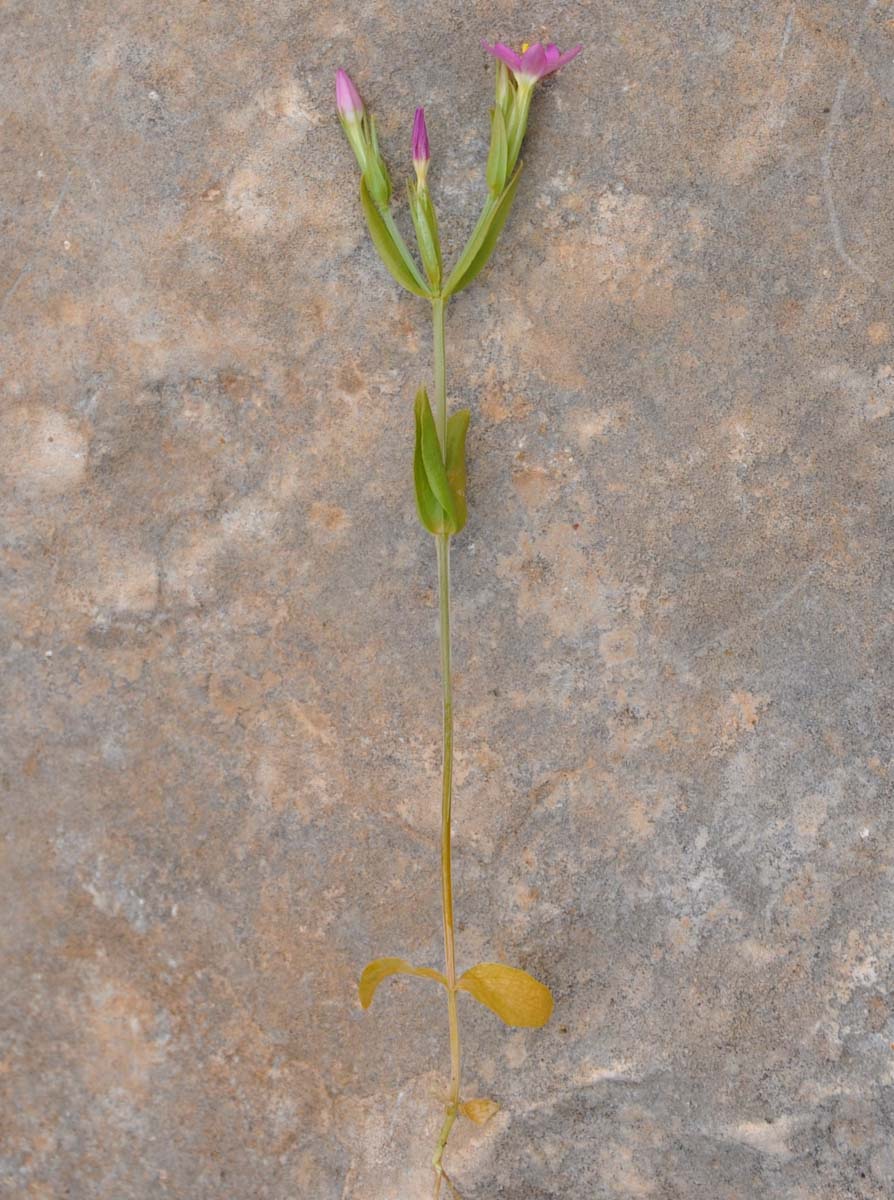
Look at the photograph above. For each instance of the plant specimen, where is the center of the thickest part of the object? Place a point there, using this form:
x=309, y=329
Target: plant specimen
x=439, y=474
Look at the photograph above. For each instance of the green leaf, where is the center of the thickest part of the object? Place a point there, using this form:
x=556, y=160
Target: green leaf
x=481, y=244
x=435, y=471
x=471, y=247
x=388, y=248
x=514, y=995
x=457, y=427
x=430, y=512
x=425, y=222
x=497, y=159
x=440, y=487
x=381, y=968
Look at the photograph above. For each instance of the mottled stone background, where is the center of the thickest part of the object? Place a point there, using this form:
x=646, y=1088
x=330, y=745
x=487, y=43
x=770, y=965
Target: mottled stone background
x=672, y=602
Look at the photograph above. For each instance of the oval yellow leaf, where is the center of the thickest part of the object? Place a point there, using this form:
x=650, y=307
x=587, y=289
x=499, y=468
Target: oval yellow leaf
x=381, y=968
x=479, y=1111
x=514, y=995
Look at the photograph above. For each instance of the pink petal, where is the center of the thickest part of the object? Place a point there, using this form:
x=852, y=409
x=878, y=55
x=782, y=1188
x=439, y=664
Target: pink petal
x=534, y=62
x=567, y=56
x=506, y=53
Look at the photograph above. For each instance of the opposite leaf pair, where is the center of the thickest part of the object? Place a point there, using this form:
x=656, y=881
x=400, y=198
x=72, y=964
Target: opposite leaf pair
x=440, y=485
x=514, y=995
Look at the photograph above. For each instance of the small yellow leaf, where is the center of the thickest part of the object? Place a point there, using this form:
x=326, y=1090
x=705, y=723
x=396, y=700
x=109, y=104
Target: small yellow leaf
x=514, y=995
x=381, y=968
x=479, y=1111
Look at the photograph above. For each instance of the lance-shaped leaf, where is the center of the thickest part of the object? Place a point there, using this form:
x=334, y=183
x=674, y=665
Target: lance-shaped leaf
x=435, y=501
x=457, y=428
x=479, y=1111
x=381, y=968
x=430, y=512
x=497, y=159
x=481, y=244
x=514, y=995
x=393, y=254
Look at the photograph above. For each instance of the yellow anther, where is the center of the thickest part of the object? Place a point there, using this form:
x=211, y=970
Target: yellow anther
x=525, y=46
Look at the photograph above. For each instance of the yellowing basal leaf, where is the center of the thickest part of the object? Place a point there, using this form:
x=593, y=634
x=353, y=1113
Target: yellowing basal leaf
x=381, y=968
x=479, y=1111
x=514, y=995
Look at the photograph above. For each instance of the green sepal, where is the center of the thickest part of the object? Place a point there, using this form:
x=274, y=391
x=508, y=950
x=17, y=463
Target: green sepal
x=457, y=428
x=355, y=132
x=504, y=87
x=480, y=245
x=517, y=122
x=497, y=159
x=376, y=172
x=389, y=250
x=425, y=222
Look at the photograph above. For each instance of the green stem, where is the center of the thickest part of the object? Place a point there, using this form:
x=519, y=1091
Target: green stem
x=443, y=547
x=437, y=319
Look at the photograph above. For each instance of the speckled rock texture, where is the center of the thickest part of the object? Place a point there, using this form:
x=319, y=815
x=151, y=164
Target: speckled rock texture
x=672, y=606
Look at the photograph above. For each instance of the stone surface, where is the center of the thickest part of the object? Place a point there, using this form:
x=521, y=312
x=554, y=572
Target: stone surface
x=672, y=606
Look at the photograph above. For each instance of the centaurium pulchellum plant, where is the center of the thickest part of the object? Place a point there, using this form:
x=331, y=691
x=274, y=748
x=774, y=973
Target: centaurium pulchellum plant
x=439, y=473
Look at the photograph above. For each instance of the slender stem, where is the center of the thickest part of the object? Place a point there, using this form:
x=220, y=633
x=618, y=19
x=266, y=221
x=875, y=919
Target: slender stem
x=437, y=319
x=443, y=543
x=443, y=548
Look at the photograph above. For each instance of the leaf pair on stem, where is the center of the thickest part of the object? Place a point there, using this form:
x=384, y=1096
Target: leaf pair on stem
x=516, y=997
x=396, y=256
x=440, y=479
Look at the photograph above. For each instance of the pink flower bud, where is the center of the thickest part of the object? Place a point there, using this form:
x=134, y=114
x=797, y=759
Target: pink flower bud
x=421, y=151
x=347, y=98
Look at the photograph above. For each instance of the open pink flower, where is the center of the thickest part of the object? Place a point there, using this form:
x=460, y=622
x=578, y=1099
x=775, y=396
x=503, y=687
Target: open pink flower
x=534, y=62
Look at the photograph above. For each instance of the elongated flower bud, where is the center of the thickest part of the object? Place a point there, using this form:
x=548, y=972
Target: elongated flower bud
x=360, y=130
x=352, y=115
x=421, y=150
x=347, y=98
